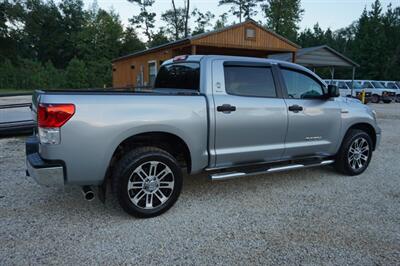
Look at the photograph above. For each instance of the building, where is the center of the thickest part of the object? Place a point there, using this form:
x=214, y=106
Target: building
x=321, y=56
x=245, y=39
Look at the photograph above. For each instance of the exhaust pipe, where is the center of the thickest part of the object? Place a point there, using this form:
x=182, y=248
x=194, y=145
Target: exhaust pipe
x=88, y=193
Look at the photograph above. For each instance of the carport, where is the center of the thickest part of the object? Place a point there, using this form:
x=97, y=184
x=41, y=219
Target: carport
x=319, y=57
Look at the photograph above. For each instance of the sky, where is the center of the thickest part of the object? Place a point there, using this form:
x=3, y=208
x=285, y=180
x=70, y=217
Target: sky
x=335, y=14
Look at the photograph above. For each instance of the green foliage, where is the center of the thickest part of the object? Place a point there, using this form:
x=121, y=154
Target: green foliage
x=283, y=17
x=76, y=74
x=50, y=46
x=221, y=21
x=145, y=19
x=242, y=8
x=203, y=21
x=158, y=39
x=175, y=22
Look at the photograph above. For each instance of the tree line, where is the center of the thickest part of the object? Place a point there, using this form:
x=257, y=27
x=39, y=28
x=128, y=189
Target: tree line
x=45, y=44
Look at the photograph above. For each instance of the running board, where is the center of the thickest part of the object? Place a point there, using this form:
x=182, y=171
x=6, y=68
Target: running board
x=230, y=175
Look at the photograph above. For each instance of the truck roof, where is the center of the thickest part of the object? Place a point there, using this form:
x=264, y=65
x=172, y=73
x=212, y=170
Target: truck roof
x=198, y=58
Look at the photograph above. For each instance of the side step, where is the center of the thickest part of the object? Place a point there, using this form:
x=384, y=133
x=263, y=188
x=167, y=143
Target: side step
x=230, y=175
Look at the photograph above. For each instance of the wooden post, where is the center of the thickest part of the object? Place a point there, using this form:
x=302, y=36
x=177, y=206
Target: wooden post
x=293, y=57
x=193, y=49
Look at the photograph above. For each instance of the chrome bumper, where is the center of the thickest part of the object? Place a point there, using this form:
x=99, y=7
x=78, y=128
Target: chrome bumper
x=46, y=175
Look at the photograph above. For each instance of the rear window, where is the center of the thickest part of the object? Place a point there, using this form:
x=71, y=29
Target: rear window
x=249, y=81
x=179, y=76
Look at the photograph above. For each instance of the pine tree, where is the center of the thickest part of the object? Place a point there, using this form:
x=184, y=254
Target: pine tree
x=145, y=19
x=241, y=8
x=283, y=17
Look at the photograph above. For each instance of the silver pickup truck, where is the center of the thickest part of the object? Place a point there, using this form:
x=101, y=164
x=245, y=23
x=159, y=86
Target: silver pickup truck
x=224, y=115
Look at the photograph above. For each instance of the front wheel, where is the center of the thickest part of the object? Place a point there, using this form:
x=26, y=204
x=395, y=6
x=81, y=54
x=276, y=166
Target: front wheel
x=147, y=182
x=355, y=153
x=375, y=98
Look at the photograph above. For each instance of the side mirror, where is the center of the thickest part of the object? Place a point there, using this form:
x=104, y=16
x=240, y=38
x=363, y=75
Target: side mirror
x=333, y=91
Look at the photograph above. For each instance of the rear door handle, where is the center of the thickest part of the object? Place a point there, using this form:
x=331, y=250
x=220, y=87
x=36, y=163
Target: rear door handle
x=295, y=108
x=226, y=108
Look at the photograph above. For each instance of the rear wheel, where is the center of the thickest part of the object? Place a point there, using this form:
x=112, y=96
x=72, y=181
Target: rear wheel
x=147, y=182
x=375, y=98
x=398, y=98
x=355, y=153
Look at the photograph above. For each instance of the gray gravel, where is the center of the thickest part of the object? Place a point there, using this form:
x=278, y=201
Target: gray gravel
x=313, y=216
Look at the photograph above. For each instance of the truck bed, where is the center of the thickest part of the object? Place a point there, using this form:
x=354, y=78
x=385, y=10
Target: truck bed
x=104, y=119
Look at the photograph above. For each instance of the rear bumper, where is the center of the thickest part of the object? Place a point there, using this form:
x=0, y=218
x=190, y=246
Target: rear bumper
x=46, y=173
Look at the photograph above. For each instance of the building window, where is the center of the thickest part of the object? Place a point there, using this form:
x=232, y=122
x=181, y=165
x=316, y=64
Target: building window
x=250, y=34
x=152, y=72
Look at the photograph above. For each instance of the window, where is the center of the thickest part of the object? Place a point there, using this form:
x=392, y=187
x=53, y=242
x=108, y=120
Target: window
x=249, y=81
x=250, y=33
x=152, y=72
x=367, y=85
x=179, y=76
x=342, y=85
x=300, y=86
x=356, y=85
x=378, y=85
x=391, y=85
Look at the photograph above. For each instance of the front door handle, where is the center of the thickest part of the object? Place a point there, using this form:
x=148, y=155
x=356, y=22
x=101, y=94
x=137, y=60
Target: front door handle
x=226, y=108
x=295, y=108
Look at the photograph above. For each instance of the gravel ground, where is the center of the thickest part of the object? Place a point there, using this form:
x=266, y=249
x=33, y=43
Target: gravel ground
x=312, y=216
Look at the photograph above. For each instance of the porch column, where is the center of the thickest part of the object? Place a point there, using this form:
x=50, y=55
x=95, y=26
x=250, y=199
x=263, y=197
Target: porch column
x=193, y=49
x=293, y=57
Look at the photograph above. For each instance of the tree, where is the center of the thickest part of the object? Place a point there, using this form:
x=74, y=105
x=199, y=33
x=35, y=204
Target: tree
x=145, y=19
x=72, y=21
x=221, y=22
x=283, y=17
x=131, y=42
x=159, y=38
x=241, y=8
x=203, y=20
x=76, y=75
x=371, y=43
x=175, y=22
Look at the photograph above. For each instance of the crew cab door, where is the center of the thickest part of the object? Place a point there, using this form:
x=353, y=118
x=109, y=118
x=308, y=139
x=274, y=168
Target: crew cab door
x=250, y=115
x=314, y=122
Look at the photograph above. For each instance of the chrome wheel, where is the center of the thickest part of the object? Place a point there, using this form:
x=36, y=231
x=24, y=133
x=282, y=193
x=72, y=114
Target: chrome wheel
x=150, y=185
x=358, y=153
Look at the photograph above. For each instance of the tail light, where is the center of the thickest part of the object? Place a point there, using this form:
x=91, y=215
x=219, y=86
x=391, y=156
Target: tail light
x=51, y=117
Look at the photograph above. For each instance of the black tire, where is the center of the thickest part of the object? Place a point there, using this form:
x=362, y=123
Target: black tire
x=343, y=162
x=398, y=98
x=387, y=101
x=124, y=175
x=375, y=98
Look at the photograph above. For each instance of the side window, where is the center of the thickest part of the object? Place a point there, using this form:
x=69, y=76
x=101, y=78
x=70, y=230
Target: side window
x=367, y=85
x=249, y=81
x=301, y=86
x=342, y=85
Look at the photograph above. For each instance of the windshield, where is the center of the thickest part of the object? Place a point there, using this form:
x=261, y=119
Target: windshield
x=391, y=85
x=179, y=76
x=378, y=85
x=356, y=85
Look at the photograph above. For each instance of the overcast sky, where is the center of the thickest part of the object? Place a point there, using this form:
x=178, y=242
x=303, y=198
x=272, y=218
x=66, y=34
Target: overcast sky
x=328, y=13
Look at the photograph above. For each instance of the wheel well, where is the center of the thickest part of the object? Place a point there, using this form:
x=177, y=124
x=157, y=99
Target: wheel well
x=368, y=129
x=165, y=141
